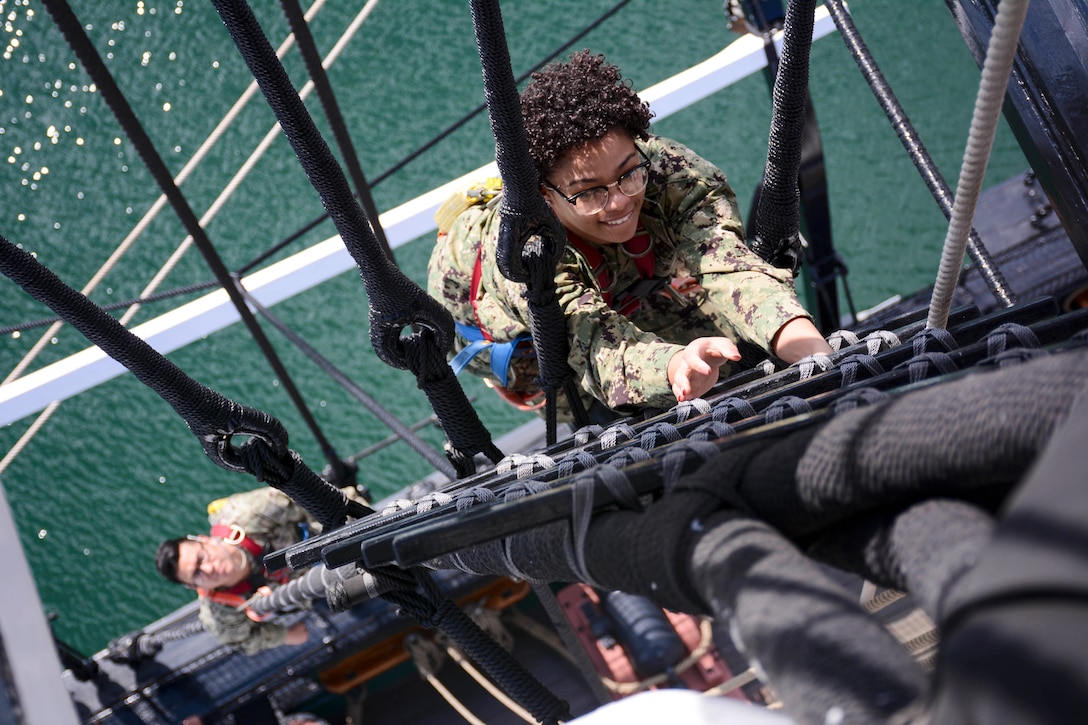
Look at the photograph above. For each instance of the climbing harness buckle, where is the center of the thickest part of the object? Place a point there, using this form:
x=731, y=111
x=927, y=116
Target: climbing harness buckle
x=236, y=536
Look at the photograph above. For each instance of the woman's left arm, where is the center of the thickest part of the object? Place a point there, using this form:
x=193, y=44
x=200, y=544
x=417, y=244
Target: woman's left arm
x=798, y=338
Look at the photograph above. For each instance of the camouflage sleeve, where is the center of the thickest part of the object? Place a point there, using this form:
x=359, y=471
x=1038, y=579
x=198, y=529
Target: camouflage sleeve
x=234, y=629
x=614, y=361
x=705, y=222
x=449, y=270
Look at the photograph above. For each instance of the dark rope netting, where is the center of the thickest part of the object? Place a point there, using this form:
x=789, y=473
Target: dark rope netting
x=531, y=239
x=728, y=507
x=903, y=491
x=862, y=375
x=408, y=329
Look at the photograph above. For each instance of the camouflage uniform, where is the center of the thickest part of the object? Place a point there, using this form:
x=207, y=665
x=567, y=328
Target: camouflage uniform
x=271, y=519
x=691, y=214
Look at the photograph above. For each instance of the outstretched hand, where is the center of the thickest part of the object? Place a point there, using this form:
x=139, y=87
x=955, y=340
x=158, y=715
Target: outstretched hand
x=694, y=370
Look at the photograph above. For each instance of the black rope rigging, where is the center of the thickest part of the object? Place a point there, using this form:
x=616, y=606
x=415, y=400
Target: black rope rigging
x=735, y=537
x=824, y=264
x=531, y=239
x=730, y=406
x=73, y=31
x=402, y=431
x=907, y=134
x=431, y=608
x=396, y=303
x=307, y=47
x=812, y=470
x=404, y=320
x=214, y=419
x=777, y=223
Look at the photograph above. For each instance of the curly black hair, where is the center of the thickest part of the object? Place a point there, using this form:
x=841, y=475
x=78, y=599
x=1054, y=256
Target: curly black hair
x=166, y=559
x=571, y=103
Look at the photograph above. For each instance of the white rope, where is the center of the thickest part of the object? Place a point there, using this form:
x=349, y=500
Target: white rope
x=810, y=364
x=240, y=175
x=456, y=655
x=450, y=698
x=427, y=658
x=991, y=94
x=733, y=683
x=29, y=434
x=840, y=339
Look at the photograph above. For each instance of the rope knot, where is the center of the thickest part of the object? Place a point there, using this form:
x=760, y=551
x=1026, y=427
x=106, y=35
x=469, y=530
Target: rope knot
x=260, y=460
x=808, y=365
x=997, y=341
x=785, y=407
x=850, y=365
x=933, y=337
x=733, y=409
x=925, y=364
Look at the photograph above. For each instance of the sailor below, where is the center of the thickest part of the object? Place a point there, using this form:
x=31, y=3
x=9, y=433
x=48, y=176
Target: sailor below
x=225, y=568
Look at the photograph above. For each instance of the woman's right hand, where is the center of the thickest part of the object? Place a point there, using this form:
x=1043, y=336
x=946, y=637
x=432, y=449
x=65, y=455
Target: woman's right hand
x=694, y=370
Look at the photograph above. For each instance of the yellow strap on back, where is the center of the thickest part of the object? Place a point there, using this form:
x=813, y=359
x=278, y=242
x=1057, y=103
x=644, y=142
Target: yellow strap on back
x=480, y=192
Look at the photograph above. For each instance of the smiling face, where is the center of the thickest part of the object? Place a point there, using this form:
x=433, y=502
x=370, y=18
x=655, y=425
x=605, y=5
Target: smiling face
x=597, y=163
x=211, y=563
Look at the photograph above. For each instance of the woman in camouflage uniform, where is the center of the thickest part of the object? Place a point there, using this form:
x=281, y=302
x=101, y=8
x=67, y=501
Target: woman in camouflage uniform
x=656, y=282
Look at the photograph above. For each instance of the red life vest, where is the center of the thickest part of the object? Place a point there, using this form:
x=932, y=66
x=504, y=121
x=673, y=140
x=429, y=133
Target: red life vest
x=641, y=249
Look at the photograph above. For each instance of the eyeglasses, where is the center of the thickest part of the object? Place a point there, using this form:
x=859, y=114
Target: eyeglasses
x=198, y=576
x=591, y=201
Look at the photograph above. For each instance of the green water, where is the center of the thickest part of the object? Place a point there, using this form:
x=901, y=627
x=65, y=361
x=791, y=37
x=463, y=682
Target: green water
x=115, y=470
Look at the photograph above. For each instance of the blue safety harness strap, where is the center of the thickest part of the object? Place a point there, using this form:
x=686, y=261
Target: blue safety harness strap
x=501, y=352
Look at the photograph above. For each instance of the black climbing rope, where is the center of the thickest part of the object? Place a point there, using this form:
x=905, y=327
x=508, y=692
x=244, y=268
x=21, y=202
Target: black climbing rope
x=907, y=134
x=408, y=329
x=531, y=239
x=312, y=58
x=777, y=223
x=66, y=21
x=823, y=263
x=214, y=419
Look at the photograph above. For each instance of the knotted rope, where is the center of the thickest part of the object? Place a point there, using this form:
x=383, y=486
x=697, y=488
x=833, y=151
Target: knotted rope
x=214, y=419
x=531, y=239
x=397, y=304
x=778, y=215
